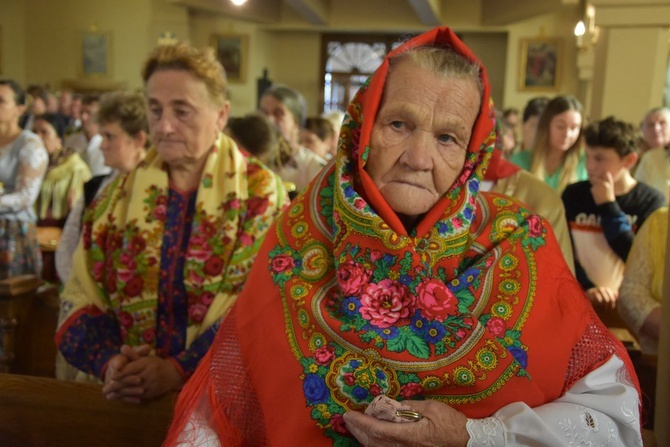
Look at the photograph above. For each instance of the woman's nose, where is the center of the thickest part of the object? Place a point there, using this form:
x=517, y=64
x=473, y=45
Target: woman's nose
x=164, y=124
x=417, y=154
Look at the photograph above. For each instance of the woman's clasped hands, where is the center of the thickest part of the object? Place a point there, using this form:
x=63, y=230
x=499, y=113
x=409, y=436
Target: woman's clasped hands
x=137, y=374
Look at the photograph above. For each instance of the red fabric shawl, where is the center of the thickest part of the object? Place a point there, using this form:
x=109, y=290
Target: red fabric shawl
x=475, y=307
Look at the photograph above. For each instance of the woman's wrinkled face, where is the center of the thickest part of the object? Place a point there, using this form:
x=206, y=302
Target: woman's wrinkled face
x=420, y=136
x=183, y=121
x=121, y=151
x=564, y=130
x=656, y=129
x=48, y=134
x=280, y=116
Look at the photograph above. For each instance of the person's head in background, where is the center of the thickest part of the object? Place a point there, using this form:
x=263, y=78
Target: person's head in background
x=656, y=128
x=122, y=117
x=336, y=117
x=75, y=107
x=558, y=136
x=286, y=108
x=89, y=111
x=65, y=102
x=511, y=116
x=38, y=98
x=255, y=134
x=531, y=116
x=52, y=103
x=611, y=147
x=507, y=138
x=12, y=106
x=51, y=129
x=317, y=135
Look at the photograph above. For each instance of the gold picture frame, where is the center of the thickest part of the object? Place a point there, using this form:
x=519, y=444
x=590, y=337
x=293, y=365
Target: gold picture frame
x=540, y=64
x=95, y=54
x=232, y=50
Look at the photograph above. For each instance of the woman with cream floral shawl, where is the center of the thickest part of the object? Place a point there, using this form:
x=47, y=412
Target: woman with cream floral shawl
x=166, y=249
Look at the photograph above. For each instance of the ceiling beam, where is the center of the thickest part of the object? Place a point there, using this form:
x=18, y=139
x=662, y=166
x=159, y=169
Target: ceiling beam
x=428, y=11
x=497, y=12
x=313, y=11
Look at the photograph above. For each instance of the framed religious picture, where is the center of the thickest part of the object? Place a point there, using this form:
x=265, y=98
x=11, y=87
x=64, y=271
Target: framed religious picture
x=232, y=50
x=95, y=54
x=540, y=64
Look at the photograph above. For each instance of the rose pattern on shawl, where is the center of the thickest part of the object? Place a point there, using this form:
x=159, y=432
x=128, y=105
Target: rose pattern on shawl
x=435, y=300
x=537, y=232
x=337, y=424
x=496, y=326
x=324, y=355
x=256, y=206
x=535, y=226
x=284, y=264
x=410, y=390
x=387, y=303
x=352, y=277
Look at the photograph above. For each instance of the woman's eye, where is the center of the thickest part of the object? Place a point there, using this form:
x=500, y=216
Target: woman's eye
x=397, y=124
x=444, y=138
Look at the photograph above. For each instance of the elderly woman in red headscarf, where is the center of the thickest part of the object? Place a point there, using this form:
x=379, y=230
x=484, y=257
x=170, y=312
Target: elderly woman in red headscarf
x=393, y=276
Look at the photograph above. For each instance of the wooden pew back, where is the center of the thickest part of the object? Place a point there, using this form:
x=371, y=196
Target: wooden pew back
x=38, y=411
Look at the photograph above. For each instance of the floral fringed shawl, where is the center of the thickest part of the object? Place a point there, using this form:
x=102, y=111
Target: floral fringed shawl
x=475, y=307
x=159, y=266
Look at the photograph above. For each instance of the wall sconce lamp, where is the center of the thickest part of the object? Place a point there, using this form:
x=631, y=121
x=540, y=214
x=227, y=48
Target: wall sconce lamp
x=238, y=2
x=586, y=31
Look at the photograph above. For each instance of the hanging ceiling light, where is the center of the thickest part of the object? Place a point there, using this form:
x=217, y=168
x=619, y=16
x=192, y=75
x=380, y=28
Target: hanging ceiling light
x=238, y=2
x=586, y=31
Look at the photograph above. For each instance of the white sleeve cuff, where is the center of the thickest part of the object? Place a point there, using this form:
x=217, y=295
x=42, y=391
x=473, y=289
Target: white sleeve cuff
x=487, y=432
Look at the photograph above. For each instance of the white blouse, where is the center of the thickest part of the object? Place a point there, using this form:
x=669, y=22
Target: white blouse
x=23, y=163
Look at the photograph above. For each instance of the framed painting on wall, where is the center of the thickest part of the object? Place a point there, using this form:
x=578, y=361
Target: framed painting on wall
x=232, y=50
x=95, y=58
x=540, y=64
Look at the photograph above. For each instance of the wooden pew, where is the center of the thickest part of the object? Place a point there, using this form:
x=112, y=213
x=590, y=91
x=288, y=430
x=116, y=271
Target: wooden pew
x=28, y=317
x=38, y=411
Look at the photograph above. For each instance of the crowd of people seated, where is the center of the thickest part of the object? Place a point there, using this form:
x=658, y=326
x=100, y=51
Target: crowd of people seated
x=423, y=251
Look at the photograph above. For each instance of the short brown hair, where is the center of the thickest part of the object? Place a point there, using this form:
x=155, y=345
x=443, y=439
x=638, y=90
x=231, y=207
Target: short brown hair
x=200, y=63
x=614, y=134
x=254, y=132
x=126, y=108
x=321, y=127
